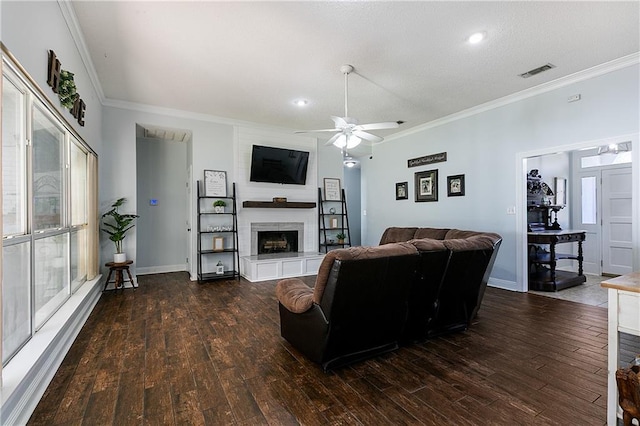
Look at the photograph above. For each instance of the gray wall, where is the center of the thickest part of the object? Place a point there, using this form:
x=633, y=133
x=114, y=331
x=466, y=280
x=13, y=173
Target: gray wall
x=29, y=30
x=352, y=186
x=484, y=147
x=162, y=229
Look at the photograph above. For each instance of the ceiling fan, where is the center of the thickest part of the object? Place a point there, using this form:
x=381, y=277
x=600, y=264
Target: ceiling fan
x=349, y=133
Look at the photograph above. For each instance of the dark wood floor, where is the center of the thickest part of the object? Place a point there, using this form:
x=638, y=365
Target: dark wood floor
x=178, y=352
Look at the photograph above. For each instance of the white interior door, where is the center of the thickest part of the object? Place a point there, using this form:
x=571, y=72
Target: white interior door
x=617, y=248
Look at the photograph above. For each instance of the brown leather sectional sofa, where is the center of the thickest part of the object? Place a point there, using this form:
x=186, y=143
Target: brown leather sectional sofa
x=418, y=283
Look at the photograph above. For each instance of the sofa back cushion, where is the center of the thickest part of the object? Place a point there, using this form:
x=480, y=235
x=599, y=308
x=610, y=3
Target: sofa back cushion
x=477, y=241
x=433, y=233
x=353, y=254
x=397, y=235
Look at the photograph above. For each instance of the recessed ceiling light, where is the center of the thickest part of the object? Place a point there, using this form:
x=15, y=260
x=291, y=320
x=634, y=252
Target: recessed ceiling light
x=477, y=37
x=301, y=102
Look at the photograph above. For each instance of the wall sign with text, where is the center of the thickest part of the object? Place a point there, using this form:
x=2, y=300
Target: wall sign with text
x=61, y=82
x=427, y=159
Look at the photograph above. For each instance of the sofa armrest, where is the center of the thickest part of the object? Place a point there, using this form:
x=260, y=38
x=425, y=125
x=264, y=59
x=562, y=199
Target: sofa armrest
x=294, y=295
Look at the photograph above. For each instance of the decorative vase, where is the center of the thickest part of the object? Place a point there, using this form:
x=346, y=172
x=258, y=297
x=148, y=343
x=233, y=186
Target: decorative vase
x=218, y=209
x=119, y=257
x=340, y=240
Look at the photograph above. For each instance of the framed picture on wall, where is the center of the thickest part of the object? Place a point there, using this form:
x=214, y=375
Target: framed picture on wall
x=402, y=190
x=332, y=189
x=215, y=183
x=455, y=186
x=426, y=185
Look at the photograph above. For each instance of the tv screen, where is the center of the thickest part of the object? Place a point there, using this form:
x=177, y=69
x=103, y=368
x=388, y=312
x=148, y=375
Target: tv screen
x=278, y=165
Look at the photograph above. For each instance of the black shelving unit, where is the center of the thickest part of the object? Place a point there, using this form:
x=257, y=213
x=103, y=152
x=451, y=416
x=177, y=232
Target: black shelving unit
x=327, y=229
x=212, y=225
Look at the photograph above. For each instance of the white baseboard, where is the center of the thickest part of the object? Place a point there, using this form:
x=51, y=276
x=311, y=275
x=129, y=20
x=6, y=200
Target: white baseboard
x=504, y=284
x=161, y=269
x=26, y=377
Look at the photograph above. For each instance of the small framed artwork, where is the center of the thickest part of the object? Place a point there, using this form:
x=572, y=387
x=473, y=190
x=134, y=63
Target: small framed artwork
x=333, y=222
x=402, y=190
x=427, y=185
x=332, y=189
x=455, y=186
x=218, y=243
x=215, y=183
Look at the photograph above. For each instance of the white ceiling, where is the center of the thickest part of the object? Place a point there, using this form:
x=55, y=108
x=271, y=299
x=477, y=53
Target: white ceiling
x=250, y=60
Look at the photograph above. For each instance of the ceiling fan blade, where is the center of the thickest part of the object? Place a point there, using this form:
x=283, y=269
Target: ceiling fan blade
x=318, y=131
x=333, y=139
x=367, y=136
x=342, y=122
x=378, y=126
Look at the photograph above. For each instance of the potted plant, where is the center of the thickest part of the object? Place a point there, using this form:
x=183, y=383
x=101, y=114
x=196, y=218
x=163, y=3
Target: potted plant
x=218, y=206
x=116, y=226
x=341, y=236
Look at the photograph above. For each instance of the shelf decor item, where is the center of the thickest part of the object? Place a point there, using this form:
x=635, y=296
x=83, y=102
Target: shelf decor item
x=341, y=236
x=218, y=206
x=218, y=243
x=219, y=268
x=215, y=183
x=116, y=225
x=331, y=189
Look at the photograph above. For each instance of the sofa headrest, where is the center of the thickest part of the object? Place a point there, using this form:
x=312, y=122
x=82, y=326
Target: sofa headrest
x=460, y=233
x=354, y=254
x=397, y=234
x=480, y=241
x=428, y=244
x=433, y=233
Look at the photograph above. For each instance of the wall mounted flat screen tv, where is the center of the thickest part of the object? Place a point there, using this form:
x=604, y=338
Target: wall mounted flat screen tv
x=278, y=165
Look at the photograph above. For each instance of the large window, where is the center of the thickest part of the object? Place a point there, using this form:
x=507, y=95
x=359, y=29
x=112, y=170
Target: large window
x=49, y=238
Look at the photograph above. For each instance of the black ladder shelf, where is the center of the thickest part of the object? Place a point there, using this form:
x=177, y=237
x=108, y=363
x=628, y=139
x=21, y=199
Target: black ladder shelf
x=332, y=219
x=211, y=227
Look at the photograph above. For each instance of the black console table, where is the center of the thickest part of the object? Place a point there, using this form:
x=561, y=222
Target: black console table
x=542, y=263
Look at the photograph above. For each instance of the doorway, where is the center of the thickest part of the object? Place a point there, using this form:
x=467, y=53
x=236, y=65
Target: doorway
x=632, y=243
x=162, y=199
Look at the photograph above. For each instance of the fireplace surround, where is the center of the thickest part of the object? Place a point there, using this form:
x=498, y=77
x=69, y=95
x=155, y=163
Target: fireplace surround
x=276, y=228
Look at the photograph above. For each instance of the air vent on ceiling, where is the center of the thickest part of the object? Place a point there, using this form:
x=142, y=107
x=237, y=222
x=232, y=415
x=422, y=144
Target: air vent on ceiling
x=166, y=134
x=537, y=70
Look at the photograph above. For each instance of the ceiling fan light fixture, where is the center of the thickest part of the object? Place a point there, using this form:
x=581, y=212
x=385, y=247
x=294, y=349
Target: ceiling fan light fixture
x=341, y=142
x=350, y=162
x=347, y=141
x=353, y=141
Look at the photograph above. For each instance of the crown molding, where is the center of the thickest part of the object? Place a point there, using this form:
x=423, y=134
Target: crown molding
x=178, y=113
x=607, y=67
x=71, y=19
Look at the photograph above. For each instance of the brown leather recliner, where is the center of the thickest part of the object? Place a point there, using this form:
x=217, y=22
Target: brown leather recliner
x=357, y=309
x=464, y=282
x=453, y=272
